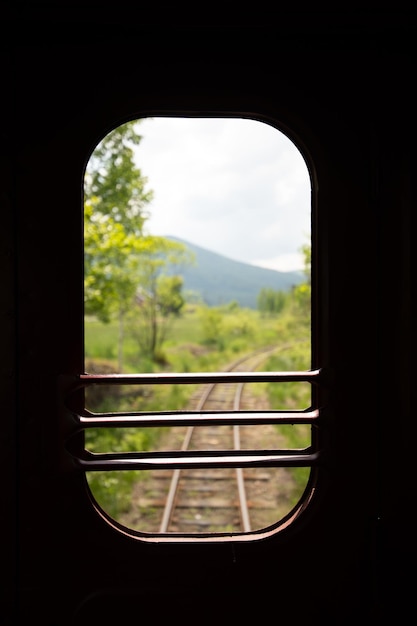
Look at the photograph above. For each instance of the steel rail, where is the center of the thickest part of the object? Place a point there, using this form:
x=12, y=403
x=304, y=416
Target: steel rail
x=173, y=489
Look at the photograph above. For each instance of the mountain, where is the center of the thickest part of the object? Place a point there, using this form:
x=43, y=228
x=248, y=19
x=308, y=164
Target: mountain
x=220, y=280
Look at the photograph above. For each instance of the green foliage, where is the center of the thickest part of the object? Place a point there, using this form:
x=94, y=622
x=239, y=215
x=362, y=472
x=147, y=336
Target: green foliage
x=302, y=292
x=120, y=440
x=202, y=337
x=211, y=326
x=114, y=216
x=271, y=302
x=112, y=176
x=159, y=296
x=112, y=490
x=170, y=297
x=110, y=261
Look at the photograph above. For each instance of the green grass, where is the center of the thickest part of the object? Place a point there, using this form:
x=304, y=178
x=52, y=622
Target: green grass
x=201, y=339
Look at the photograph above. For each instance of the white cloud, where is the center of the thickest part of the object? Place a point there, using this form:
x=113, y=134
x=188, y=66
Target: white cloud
x=282, y=263
x=237, y=187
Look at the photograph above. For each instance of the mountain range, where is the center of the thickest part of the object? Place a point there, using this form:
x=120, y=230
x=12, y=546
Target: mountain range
x=215, y=279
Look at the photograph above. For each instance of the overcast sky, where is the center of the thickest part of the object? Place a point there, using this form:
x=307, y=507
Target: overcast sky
x=237, y=187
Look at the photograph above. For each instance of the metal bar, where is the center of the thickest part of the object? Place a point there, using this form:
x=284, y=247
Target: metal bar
x=250, y=458
x=312, y=376
x=123, y=420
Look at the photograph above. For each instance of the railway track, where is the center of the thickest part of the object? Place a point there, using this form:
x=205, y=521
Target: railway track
x=216, y=500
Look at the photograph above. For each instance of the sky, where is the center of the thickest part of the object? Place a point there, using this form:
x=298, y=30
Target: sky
x=237, y=187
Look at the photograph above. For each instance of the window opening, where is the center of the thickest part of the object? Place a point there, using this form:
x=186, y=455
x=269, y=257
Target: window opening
x=199, y=388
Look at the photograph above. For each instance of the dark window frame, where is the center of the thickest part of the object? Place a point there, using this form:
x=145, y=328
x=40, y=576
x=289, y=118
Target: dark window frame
x=75, y=419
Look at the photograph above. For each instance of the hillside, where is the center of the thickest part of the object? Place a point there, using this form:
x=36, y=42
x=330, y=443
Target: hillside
x=219, y=280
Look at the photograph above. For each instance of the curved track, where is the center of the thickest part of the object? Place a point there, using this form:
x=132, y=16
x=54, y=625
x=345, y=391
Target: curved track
x=220, y=500
x=216, y=501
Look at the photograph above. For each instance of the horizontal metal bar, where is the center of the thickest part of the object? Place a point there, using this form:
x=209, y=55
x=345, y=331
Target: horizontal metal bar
x=182, y=460
x=189, y=418
x=311, y=376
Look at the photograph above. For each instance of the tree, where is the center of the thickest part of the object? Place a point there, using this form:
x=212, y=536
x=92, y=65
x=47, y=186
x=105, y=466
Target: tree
x=302, y=292
x=110, y=257
x=113, y=177
x=271, y=302
x=114, y=217
x=159, y=298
